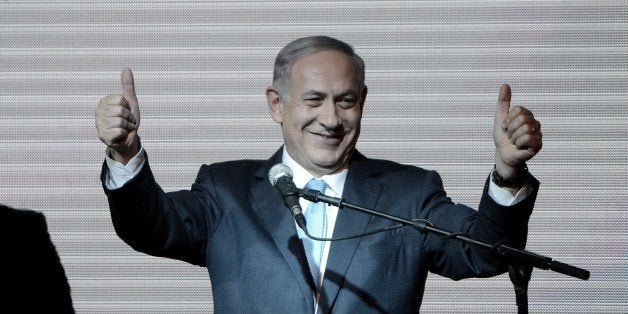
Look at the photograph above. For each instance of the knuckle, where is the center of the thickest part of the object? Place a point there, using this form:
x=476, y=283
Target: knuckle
x=117, y=111
x=516, y=110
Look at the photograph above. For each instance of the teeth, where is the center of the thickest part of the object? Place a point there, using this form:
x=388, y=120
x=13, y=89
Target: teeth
x=328, y=136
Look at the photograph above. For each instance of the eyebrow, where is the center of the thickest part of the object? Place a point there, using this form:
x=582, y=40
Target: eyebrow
x=321, y=94
x=313, y=93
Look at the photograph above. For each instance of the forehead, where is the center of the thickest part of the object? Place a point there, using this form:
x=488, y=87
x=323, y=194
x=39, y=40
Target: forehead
x=326, y=65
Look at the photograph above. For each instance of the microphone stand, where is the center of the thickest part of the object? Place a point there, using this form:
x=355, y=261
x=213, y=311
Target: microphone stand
x=520, y=277
x=522, y=261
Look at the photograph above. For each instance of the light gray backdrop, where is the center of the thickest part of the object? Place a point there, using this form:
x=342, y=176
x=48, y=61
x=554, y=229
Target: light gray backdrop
x=433, y=69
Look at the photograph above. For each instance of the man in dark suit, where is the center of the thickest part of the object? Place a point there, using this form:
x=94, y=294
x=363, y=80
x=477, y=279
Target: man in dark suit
x=34, y=279
x=234, y=222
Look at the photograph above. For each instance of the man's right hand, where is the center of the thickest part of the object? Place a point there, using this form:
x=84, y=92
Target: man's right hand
x=118, y=118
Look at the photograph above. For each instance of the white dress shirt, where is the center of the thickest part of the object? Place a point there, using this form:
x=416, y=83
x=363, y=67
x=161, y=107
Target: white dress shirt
x=335, y=185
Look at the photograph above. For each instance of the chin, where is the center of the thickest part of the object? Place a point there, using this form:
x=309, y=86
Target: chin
x=328, y=162
x=325, y=163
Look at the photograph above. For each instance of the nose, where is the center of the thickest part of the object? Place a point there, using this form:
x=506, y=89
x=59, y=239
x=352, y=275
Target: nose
x=329, y=117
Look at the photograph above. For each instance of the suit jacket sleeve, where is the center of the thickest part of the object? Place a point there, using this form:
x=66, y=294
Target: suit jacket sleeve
x=491, y=223
x=174, y=224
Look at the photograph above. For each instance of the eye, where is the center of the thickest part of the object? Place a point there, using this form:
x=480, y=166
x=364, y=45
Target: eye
x=313, y=101
x=347, y=102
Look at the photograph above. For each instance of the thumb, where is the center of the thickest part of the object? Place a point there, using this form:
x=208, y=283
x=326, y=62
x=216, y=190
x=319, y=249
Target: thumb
x=503, y=105
x=128, y=91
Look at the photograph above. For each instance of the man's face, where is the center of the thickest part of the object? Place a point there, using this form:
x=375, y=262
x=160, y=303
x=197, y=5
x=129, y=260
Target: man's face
x=321, y=119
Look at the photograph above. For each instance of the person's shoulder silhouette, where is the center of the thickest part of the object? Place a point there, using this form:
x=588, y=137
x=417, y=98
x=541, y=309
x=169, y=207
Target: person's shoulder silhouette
x=33, y=277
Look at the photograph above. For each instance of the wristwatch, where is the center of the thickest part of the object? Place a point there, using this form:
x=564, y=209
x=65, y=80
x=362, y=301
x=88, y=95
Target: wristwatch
x=520, y=181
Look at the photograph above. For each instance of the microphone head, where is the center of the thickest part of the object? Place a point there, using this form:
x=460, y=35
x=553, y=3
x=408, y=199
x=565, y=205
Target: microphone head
x=277, y=171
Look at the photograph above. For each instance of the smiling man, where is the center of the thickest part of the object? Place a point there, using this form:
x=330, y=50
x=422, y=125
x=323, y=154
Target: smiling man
x=320, y=110
x=234, y=222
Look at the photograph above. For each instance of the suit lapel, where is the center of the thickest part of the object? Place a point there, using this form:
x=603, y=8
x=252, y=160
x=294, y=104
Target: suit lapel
x=281, y=226
x=362, y=190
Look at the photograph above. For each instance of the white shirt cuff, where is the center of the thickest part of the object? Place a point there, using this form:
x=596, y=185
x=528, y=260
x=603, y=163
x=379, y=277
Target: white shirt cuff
x=118, y=173
x=503, y=197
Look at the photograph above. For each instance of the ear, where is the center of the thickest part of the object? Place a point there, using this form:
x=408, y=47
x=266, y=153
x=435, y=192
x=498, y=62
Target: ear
x=274, y=104
x=363, y=97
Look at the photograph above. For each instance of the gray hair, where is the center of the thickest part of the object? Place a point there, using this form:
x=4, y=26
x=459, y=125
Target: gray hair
x=305, y=46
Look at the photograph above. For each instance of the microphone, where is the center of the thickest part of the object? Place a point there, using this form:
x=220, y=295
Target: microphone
x=280, y=176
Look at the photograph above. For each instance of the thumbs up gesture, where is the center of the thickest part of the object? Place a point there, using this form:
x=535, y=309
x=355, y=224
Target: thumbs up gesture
x=516, y=133
x=118, y=118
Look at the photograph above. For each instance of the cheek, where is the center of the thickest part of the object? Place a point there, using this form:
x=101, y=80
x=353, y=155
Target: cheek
x=352, y=121
x=304, y=117
x=295, y=122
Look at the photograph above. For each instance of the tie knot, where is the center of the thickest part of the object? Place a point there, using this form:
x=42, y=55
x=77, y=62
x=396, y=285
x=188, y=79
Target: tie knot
x=316, y=184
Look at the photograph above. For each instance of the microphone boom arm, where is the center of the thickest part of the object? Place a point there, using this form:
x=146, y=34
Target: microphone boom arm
x=517, y=255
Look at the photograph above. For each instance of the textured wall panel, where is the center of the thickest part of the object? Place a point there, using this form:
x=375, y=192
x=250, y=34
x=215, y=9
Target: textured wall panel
x=433, y=69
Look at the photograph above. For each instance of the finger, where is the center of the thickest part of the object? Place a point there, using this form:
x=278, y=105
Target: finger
x=114, y=106
x=120, y=123
x=113, y=130
x=530, y=142
x=518, y=119
x=503, y=106
x=113, y=100
x=128, y=91
x=114, y=136
x=525, y=129
x=128, y=85
x=124, y=112
x=517, y=111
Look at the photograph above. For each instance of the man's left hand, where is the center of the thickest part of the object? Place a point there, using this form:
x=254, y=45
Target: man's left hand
x=517, y=135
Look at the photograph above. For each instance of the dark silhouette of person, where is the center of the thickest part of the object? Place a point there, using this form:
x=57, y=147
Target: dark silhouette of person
x=33, y=277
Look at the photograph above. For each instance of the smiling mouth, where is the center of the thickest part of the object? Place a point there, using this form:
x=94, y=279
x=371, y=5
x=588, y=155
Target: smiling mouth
x=329, y=138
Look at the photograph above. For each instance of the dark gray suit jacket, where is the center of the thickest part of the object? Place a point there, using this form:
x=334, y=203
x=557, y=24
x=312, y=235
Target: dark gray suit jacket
x=234, y=222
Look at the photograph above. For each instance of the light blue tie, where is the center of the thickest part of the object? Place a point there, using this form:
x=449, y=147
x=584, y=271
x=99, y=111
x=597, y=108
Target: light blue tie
x=316, y=222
